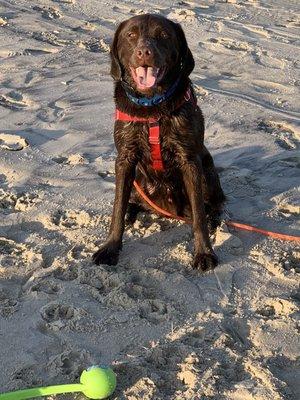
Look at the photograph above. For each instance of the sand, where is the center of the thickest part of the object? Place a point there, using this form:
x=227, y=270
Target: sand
x=169, y=332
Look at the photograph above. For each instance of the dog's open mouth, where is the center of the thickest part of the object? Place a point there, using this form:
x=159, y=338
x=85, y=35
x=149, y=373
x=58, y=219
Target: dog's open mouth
x=146, y=77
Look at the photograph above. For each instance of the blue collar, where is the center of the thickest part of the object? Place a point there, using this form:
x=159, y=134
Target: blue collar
x=155, y=100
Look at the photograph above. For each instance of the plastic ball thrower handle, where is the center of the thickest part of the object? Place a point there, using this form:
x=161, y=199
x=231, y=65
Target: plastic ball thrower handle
x=42, y=391
x=95, y=383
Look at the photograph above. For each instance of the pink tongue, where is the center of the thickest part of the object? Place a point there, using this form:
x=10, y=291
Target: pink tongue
x=146, y=77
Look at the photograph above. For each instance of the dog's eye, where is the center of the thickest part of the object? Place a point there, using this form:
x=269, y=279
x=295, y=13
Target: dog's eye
x=131, y=35
x=164, y=35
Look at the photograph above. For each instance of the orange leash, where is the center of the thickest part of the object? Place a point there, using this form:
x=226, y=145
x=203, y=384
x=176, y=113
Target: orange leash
x=237, y=225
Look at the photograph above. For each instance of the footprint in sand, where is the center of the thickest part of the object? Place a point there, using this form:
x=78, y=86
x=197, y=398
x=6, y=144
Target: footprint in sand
x=138, y=292
x=155, y=311
x=11, y=248
x=182, y=14
x=51, y=38
x=59, y=107
x=68, y=274
x=85, y=27
x=14, y=100
x=18, y=202
x=124, y=9
x=110, y=290
x=115, y=299
x=48, y=12
x=231, y=44
x=150, y=305
x=142, y=388
x=47, y=286
x=28, y=375
x=31, y=77
x=194, y=337
x=72, y=219
x=39, y=52
x=287, y=203
x=81, y=251
x=277, y=261
x=172, y=363
x=8, y=303
x=58, y=316
x=72, y=159
x=263, y=58
x=12, y=142
x=291, y=261
x=293, y=21
x=178, y=368
x=13, y=254
x=276, y=308
x=94, y=45
x=99, y=278
x=54, y=111
x=239, y=182
x=174, y=367
x=285, y=135
x=287, y=370
x=68, y=363
x=105, y=287
x=147, y=224
x=256, y=31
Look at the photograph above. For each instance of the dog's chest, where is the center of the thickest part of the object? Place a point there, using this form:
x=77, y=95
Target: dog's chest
x=175, y=136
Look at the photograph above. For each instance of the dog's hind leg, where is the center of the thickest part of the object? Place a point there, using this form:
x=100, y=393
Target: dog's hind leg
x=213, y=191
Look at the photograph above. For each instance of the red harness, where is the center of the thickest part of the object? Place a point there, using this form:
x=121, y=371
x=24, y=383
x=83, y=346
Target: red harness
x=154, y=136
x=154, y=131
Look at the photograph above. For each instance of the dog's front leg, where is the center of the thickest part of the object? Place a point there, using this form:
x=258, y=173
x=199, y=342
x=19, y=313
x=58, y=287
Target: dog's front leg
x=204, y=256
x=108, y=253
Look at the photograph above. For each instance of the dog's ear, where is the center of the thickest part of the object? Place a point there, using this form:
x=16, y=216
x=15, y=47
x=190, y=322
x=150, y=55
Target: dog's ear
x=116, y=67
x=187, y=58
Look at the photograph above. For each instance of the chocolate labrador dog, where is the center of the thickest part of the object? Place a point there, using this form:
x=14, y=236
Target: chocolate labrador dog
x=151, y=63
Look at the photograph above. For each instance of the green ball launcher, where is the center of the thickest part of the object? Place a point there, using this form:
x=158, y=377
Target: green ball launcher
x=95, y=383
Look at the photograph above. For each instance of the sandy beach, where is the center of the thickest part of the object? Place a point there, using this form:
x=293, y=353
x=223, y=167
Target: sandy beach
x=168, y=331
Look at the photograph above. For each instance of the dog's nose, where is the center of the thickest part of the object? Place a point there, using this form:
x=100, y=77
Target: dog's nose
x=143, y=52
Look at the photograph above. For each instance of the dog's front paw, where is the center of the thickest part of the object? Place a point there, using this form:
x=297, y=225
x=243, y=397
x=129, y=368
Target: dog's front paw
x=205, y=261
x=108, y=254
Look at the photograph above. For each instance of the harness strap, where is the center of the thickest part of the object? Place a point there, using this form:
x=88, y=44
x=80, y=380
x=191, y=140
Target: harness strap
x=121, y=116
x=154, y=130
x=154, y=136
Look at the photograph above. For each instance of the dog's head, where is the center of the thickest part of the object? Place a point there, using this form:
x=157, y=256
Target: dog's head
x=149, y=52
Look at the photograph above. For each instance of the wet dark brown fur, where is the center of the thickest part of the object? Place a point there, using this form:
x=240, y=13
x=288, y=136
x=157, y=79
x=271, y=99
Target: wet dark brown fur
x=189, y=185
